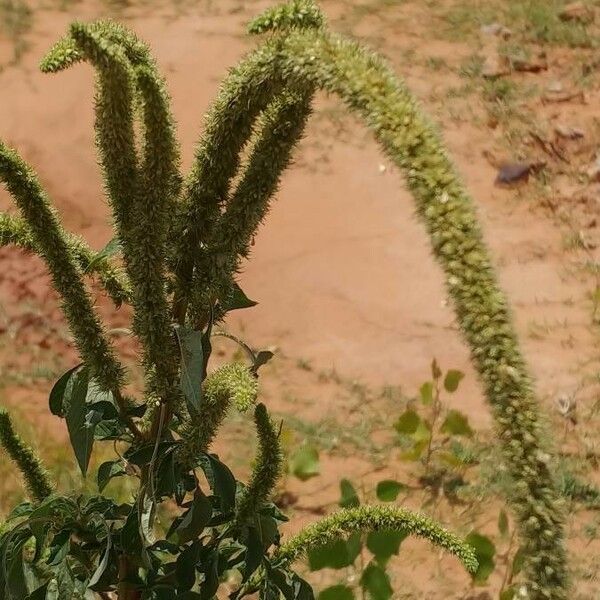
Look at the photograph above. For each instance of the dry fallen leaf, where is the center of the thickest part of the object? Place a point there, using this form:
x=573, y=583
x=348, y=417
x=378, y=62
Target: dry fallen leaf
x=531, y=65
x=517, y=172
x=568, y=133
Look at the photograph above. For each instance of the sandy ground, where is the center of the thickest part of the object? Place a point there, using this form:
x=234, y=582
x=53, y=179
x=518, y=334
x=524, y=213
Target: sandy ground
x=341, y=269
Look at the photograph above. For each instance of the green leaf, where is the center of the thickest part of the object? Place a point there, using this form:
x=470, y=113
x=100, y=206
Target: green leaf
x=508, y=594
x=408, y=422
x=388, y=490
x=385, y=543
x=503, y=523
x=40, y=593
x=221, y=480
x=337, y=592
x=102, y=565
x=452, y=380
x=59, y=548
x=15, y=574
x=262, y=357
x=210, y=568
x=426, y=393
x=304, y=462
x=57, y=395
x=518, y=561
x=484, y=552
x=236, y=299
x=422, y=433
x=192, y=366
x=288, y=583
x=337, y=554
x=376, y=582
x=254, y=553
x=80, y=427
x=415, y=452
x=354, y=545
x=111, y=249
x=349, y=497
x=456, y=423
x=185, y=571
x=195, y=519
x=108, y=470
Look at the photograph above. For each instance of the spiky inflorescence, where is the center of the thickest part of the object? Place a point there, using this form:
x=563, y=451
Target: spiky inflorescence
x=280, y=129
x=297, y=13
x=51, y=242
x=267, y=468
x=374, y=518
x=142, y=196
x=229, y=126
x=295, y=63
x=302, y=59
x=34, y=474
x=15, y=231
x=231, y=384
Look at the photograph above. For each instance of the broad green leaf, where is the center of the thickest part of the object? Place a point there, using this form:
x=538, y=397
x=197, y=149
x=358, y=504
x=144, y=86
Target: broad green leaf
x=254, y=553
x=415, y=452
x=452, y=380
x=518, y=561
x=354, y=545
x=195, y=519
x=57, y=395
x=108, y=470
x=192, y=366
x=40, y=593
x=456, y=423
x=211, y=576
x=80, y=427
x=337, y=592
x=388, y=490
x=484, y=552
x=349, y=497
x=335, y=555
x=185, y=571
x=423, y=432
x=59, y=548
x=221, y=480
x=304, y=462
x=385, y=543
x=503, y=523
x=102, y=565
x=290, y=584
x=15, y=574
x=426, y=393
x=236, y=299
x=408, y=422
x=262, y=357
x=376, y=582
